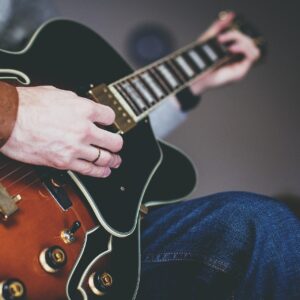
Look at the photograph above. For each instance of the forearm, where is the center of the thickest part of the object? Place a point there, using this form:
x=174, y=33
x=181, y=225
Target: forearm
x=9, y=102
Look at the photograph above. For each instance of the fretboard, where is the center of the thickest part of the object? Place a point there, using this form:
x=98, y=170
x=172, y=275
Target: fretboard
x=146, y=88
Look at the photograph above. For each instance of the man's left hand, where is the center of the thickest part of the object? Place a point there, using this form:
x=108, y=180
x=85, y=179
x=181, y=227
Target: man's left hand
x=239, y=44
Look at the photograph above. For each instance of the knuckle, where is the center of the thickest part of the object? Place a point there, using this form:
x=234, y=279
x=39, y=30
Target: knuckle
x=110, y=115
x=106, y=160
x=63, y=163
x=89, y=108
x=59, y=164
x=87, y=132
x=87, y=169
x=101, y=172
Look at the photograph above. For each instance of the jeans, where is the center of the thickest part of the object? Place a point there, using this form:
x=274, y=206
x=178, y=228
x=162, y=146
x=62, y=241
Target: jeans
x=232, y=245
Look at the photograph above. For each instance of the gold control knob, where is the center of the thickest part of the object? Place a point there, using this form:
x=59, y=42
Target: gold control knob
x=53, y=259
x=12, y=289
x=100, y=283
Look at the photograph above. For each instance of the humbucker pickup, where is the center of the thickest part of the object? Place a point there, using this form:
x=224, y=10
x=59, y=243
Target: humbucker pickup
x=124, y=120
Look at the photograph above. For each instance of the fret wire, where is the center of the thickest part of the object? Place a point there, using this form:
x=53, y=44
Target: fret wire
x=155, y=74
x=131, y=91
x=155, y=97
x=192, y=64
x=198, y=61
x=162, y=83
x=210, y=53
x=218, y=48
x=128, y=98
x=204, y=56
x=163, y=59
x=166, y=74
x=177, y=72
x=147, y=103
x=154, y=84
x=179, y=67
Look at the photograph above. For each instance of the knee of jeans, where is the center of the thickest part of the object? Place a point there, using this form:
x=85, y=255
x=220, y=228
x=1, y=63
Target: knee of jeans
x=257, y=210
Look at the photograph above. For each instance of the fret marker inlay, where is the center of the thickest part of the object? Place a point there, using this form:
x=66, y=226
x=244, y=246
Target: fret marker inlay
x=152, y=84
x=197, y=59
x=143, y=90
x=184, y=66
x=168, y=75
x=210, y=52
x=133, y=95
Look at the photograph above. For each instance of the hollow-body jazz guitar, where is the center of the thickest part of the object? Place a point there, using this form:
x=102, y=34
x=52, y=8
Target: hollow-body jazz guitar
x=68, y=236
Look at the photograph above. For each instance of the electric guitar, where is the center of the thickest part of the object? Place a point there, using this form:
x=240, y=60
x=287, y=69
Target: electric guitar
x=68, y=236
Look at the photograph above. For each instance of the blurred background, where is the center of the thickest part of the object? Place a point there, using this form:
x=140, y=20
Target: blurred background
x=241, y=137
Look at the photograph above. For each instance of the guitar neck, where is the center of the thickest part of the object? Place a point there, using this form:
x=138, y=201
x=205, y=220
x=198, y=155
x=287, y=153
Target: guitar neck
x=135, y=96
x=146, y=88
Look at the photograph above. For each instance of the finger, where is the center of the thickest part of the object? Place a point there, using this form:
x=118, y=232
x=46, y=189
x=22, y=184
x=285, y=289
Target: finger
x=242, y=44
x=104, y=139
x=232, y=36
x=250, y=53
x=106, y=159
x=218, y=26
x=102, y=114
x=86, y=168
x=233, y=72
x=49, y=87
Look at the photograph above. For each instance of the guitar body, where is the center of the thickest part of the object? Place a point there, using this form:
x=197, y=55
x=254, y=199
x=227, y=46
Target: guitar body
x=70, y=56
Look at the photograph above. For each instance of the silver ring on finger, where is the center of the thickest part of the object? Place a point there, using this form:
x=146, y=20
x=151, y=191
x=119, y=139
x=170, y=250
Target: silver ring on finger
x=98, y=156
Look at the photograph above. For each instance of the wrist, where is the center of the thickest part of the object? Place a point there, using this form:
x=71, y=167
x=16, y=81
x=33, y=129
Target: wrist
x=187, y=99
x=9, y=102
x=199, y=87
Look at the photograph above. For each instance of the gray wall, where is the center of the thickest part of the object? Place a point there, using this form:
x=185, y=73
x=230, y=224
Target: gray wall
x=244, y=136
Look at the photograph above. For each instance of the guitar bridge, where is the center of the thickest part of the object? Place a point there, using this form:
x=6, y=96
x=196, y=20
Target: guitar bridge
x=124, y=121
x=8, y=204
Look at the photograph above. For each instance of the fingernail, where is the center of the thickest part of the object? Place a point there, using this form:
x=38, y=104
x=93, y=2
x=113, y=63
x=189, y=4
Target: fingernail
x=107, y=173
x=117, y=166
x=119, y=163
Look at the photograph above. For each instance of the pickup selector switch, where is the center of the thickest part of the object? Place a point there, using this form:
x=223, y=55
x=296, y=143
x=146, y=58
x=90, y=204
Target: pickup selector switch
x=67, y=235
x=12, y=289
x=53, y=259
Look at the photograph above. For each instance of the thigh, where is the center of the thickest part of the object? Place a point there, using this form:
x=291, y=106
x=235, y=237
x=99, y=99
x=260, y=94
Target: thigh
x=209, y=245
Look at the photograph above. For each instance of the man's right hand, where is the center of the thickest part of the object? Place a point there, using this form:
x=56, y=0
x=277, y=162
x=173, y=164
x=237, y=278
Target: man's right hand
x=56, y=128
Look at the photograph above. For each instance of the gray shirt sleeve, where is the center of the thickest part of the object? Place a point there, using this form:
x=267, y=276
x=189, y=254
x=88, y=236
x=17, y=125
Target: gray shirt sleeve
x=167, y=117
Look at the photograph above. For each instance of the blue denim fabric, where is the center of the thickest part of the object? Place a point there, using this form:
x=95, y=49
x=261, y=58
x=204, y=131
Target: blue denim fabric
x=231, y=245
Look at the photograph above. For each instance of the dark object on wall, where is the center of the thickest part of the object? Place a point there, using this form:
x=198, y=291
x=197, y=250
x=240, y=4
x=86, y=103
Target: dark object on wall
x=149, y=42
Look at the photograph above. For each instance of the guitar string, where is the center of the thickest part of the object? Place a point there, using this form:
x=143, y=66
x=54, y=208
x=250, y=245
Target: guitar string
x=3, y=166
x=20, y=178
x=28, y=185
x=12, y=172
